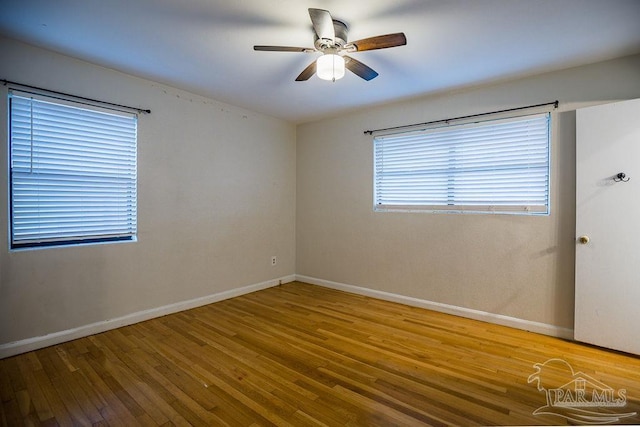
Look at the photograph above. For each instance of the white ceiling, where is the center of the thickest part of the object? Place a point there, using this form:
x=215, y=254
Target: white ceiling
x=206, y=46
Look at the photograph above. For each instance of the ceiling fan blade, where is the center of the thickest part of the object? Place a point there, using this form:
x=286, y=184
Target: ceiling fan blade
x=322, y=23
x=378, y=42
x=359, y=69
x=284, y=49
x=307, y=72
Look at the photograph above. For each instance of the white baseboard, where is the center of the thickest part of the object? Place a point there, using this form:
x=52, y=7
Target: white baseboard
x=29, y=344
x=498, y=319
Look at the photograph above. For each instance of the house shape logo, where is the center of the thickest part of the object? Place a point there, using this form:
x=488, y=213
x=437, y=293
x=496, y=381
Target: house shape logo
x=577, y=396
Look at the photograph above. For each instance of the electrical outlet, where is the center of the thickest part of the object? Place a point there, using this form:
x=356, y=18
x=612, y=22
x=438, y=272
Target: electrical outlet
x=274, y=260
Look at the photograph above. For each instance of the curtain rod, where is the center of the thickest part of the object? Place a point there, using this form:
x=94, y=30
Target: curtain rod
x=75, y=97
x=371, y=132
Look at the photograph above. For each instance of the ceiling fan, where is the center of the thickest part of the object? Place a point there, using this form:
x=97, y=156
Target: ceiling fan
x=331, y=40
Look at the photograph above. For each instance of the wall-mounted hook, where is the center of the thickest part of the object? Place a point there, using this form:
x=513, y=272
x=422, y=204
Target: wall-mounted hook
x=621, y=177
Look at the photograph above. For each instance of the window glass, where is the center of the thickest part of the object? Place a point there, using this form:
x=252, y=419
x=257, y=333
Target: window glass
x=497, y=166
x=73, y=173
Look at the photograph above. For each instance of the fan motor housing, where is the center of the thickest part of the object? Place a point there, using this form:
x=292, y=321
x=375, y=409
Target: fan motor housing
x=340, y=29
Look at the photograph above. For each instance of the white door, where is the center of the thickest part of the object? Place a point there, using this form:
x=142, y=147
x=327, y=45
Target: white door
x=607, y=311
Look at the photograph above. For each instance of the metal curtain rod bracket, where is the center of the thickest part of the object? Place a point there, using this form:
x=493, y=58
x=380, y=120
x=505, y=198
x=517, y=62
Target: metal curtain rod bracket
x=76, y=97
x=371, y=132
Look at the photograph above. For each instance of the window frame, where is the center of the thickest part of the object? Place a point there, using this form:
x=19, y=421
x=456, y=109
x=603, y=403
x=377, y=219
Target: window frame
x=82, y=238
x=462, y=208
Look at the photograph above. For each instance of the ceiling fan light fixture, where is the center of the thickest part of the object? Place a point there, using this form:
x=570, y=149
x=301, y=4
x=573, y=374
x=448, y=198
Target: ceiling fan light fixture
x=330, y=67
x=330, y=39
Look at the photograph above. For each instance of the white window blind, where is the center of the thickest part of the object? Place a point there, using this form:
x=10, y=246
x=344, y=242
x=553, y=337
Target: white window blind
x=499, y=166
x=73, y=173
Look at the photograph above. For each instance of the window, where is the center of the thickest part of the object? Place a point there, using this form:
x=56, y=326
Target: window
x=497, y=166
x=72, y=172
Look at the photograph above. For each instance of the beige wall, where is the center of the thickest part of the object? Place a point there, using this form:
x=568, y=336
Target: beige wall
x=216, y=199
x=515, y=266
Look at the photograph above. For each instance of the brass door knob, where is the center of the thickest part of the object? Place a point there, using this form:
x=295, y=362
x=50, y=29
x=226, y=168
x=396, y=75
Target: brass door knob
x=583, y=239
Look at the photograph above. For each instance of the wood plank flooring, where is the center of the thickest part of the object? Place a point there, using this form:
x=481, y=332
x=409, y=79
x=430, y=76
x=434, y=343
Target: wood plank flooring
x=298, y=355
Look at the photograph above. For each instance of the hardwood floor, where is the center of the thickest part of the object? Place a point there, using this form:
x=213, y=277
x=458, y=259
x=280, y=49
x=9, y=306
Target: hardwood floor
x=303, y=355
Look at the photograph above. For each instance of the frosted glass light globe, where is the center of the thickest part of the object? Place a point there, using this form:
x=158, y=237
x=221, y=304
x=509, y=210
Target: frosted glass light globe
x=330, y=67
